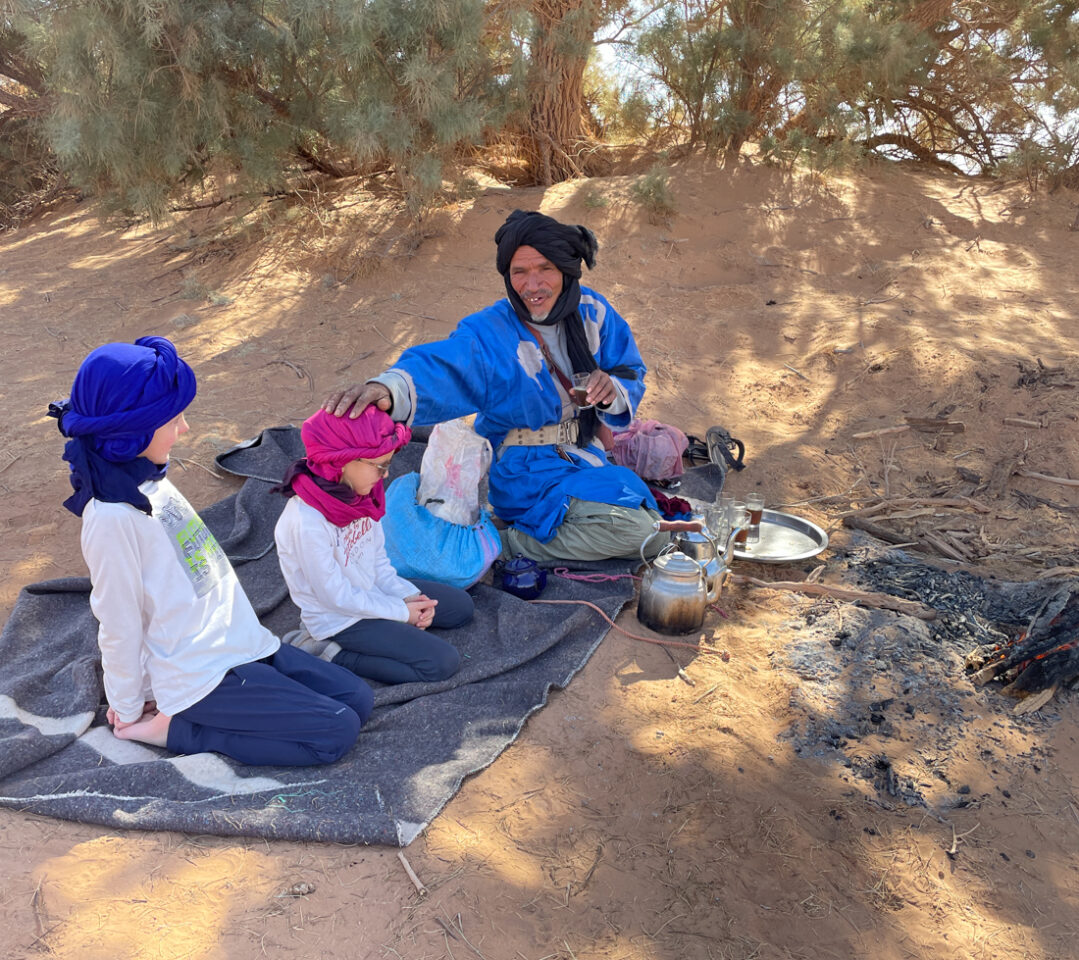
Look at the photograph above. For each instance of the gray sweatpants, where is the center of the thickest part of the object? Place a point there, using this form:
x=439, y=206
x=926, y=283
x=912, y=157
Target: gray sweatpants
x=590, y=531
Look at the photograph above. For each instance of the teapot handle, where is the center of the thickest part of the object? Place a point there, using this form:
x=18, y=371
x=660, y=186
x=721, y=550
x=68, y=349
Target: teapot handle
x=660, y=525
x=689, y=526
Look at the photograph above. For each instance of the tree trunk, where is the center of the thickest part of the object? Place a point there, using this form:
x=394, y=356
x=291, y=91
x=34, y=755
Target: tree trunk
x=558, y=127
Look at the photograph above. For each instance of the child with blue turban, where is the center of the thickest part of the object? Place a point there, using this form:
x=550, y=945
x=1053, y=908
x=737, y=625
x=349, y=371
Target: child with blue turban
x=186, y=663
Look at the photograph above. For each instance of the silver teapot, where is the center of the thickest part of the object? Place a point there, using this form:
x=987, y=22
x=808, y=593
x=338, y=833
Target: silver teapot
x=699, y=545
x=675, y=588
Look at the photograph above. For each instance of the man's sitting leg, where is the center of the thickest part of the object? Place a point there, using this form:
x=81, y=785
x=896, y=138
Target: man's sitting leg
x=590, y=531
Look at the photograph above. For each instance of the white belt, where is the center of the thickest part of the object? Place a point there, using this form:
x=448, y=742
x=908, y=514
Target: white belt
x=559, y=433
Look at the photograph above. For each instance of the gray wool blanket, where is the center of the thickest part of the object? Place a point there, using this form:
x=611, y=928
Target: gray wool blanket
x=58, y=757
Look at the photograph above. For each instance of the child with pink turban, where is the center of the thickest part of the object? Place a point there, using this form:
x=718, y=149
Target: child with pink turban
x=332, y=552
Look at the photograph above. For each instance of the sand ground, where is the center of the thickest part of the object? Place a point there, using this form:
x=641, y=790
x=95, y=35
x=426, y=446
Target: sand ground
x=637, y=816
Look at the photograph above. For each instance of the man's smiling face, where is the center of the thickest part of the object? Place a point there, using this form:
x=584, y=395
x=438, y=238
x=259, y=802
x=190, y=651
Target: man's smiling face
x=536, y=280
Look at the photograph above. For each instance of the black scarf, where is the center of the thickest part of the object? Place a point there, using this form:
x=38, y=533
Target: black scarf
x=340, y=491
x=565, y=246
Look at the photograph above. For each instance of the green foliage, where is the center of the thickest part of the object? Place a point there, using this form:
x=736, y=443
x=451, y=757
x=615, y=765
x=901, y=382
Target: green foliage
x=153, y=97
x=619, y=106
x=1053, y=163
x=720, y=65
x=137, y=100
x=653, y=192
x=961, y=85
x=796, y=147
x=28, y=173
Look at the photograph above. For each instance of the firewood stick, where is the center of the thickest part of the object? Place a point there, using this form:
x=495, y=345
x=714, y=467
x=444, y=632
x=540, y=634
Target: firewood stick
x=875, y=529
x=416, y=882
x=1041, y=476
x=883, y=600
x=935, y=426
x=882, y=432
x=1035, y=701
x=1058, y=572
x=944, y=548
x=1020, y=422
x=917, y=502
x=906, y=514
x=983, y=676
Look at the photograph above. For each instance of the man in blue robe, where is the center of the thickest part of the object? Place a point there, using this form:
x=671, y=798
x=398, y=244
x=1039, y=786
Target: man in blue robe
x=512, y=365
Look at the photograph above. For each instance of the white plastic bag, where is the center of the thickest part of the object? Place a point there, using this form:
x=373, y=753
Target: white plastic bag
x=455, y=462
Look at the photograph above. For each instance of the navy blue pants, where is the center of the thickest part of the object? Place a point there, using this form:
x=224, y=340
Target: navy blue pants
x=289, y=709
x=393, y=652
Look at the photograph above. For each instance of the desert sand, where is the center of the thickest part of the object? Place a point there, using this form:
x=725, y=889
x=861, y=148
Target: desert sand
x=638, y=815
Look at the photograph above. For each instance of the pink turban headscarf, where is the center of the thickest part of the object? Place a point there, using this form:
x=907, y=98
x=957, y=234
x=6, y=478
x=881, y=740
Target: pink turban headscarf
x=331, y=442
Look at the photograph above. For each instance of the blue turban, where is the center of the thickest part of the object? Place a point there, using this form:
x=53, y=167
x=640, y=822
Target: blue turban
x=122, y=393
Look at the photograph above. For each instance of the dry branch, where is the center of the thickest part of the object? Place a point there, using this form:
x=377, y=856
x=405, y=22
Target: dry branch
x=925, y=425
x=1041, y=476
x=1035, y=701
x=416, y=882
x=882, y=432
x=875, y=529
x=945, y=547
x=918, y=502
x=882, y=600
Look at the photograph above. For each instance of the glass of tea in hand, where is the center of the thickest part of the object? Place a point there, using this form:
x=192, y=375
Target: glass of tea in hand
x=580, y=390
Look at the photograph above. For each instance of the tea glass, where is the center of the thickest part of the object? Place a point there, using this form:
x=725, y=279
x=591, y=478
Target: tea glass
x=739, y=517
x=715, y=518
x=580, y=390
x=755, y=503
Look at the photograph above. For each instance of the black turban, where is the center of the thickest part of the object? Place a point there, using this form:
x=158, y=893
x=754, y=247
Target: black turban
x=565, y=246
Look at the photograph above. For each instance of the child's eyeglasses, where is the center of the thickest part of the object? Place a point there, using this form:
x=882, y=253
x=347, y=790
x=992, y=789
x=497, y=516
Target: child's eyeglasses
x=382, y=468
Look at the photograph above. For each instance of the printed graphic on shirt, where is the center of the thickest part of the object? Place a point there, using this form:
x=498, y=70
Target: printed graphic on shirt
x=197, y=549
x=353, y=534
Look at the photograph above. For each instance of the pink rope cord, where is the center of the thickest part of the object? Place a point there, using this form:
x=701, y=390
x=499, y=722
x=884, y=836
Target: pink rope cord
x=634, y=636
x=564, y=573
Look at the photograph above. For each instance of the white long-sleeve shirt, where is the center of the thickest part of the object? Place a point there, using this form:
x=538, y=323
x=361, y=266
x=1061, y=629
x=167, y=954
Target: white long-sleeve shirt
x=173, y=619
x=338, y=576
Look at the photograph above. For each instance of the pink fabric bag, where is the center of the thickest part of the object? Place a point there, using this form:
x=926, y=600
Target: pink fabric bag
x=651, y=449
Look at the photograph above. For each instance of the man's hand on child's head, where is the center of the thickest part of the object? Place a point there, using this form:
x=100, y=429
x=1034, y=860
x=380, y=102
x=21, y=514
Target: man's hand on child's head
x=358, y=396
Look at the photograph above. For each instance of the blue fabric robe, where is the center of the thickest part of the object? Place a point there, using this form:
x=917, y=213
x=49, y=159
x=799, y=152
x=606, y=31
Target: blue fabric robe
x=491, y=365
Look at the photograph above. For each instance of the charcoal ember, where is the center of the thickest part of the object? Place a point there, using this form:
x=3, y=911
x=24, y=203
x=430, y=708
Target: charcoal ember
x=1047, y=655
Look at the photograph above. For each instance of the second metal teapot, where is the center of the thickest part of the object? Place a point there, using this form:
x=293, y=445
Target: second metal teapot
x=674, y=589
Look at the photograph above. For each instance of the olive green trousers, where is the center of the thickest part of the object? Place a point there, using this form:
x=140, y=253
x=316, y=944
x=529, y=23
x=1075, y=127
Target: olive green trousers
x=590, y=531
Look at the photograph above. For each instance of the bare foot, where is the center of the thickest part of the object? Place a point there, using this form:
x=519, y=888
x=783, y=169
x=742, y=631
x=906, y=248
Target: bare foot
x=151, y=729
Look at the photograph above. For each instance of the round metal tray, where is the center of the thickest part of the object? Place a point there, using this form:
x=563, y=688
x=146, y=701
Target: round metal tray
x=785, y=538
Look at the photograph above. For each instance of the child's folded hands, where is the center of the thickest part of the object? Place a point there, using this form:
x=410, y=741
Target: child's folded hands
x=421, y=610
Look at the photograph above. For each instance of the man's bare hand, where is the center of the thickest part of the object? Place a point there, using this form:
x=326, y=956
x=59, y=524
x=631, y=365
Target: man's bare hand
x=601, y=390
x=358, y=396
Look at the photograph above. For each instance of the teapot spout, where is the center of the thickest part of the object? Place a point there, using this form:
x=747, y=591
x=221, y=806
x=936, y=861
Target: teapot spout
x=728, y=548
